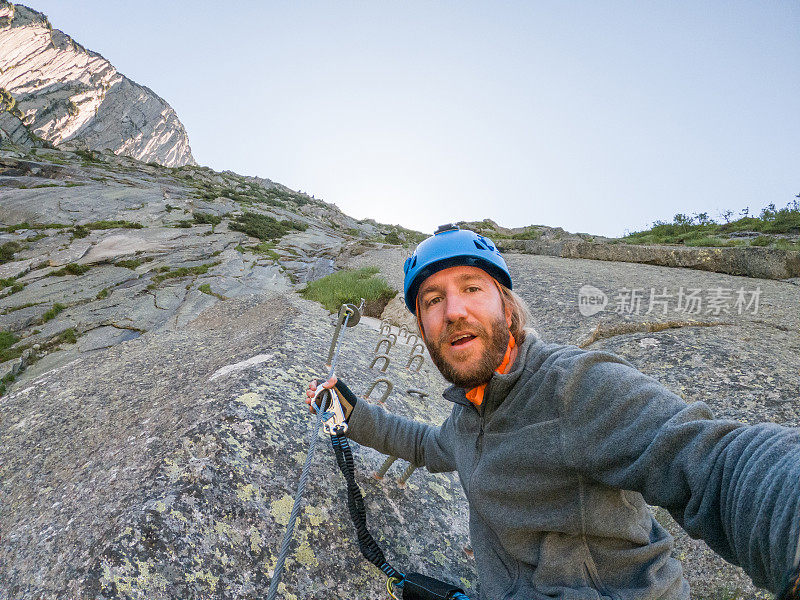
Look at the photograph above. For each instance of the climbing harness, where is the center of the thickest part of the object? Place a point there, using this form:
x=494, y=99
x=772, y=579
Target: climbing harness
x=330, y=415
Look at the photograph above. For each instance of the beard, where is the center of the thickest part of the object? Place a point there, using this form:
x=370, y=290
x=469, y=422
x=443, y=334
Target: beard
x=495, y=341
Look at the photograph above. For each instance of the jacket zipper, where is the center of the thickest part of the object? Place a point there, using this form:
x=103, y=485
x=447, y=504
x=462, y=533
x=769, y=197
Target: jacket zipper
x=478, y=449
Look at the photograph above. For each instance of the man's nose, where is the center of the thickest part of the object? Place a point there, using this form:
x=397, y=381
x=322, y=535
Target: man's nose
x=455, y=308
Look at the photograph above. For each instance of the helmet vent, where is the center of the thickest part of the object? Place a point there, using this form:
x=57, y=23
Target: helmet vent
x=478, y=245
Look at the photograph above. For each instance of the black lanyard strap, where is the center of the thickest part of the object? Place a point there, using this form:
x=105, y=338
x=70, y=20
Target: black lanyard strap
x=355, y=504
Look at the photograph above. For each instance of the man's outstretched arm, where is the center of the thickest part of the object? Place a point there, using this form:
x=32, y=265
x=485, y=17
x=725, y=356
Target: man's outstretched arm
x=735, y=486
x=418, y=443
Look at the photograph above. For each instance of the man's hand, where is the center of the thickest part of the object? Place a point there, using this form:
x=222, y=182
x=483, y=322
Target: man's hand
x=312, y=391
x=346, y=398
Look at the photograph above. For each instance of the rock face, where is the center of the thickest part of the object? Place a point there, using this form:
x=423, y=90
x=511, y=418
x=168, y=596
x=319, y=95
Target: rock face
x=74, y=98
x=750, y=261
x=152, y=435
x=124, y=248
x=767, y=263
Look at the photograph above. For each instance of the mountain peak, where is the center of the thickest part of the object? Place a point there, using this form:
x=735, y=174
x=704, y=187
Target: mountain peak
x=53, y=90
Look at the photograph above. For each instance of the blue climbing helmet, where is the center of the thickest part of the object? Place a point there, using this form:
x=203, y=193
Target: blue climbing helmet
x=451, y=247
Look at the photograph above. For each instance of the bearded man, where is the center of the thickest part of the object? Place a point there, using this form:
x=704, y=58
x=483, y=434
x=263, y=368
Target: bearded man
x=559, y=450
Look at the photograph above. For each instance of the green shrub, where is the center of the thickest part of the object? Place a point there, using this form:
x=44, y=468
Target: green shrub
x=7, y=251
x=131, y=264
x=530, y=233
x=266, y=248
x=5, y=381
x=264, y=227
x=184, y=224
x=392, y=238
x=7, y=339
x=102, y=294
x=113, y=225
x=762, y=240
x=685, y=228
x=89, y=156
x=79, y=231
x=53, y=312
x=783, y=244
x=68, y=336
x=348, y=287
x=203, y=218
x=72, y=269
x=11, y=282
x=35, y=226
x=10, y=354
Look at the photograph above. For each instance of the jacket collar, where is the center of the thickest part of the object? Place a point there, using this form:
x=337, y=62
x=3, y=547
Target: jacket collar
x=500, y=384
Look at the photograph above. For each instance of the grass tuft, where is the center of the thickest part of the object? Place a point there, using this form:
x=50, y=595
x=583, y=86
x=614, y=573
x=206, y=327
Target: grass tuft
x=131, y=264
x=349, y=287
x=68, y=336
x=266, y=248
x=206, y=289
x=72, y=269
x=113, y=225
x=167, y=273
x=34, y=226
x=7, y=339
x=53, y=312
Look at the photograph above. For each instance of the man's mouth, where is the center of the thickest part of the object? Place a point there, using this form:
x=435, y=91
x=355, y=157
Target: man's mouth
x=462, y=339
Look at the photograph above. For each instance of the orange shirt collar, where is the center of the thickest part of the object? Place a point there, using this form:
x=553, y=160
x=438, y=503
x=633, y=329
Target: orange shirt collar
x=475, y=395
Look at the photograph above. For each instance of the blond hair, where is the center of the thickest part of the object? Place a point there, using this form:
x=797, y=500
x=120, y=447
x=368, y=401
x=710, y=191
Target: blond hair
x=520, y=313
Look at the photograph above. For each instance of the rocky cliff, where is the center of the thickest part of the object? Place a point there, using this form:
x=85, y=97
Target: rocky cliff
x=155, y=351
x=53, y=89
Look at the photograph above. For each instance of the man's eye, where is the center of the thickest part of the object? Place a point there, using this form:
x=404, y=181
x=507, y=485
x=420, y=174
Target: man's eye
x=473, y=288
x=432, y=301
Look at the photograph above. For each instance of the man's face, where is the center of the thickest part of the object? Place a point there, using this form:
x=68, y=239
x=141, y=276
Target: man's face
x=465, y=325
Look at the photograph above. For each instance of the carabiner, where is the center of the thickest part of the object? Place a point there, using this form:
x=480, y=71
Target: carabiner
x=391, y=582
x=334, y=422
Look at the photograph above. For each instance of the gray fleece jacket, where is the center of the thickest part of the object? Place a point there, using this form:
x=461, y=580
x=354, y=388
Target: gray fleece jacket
x=560, y=460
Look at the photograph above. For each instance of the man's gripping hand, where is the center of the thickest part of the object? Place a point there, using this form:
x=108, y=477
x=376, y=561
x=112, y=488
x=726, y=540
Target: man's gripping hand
x=346, y=397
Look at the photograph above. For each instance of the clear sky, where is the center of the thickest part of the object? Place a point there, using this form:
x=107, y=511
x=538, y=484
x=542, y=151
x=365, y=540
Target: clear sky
x=592, y=116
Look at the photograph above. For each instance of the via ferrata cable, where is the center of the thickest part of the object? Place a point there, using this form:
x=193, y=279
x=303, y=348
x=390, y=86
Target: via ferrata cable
x=301, y=486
